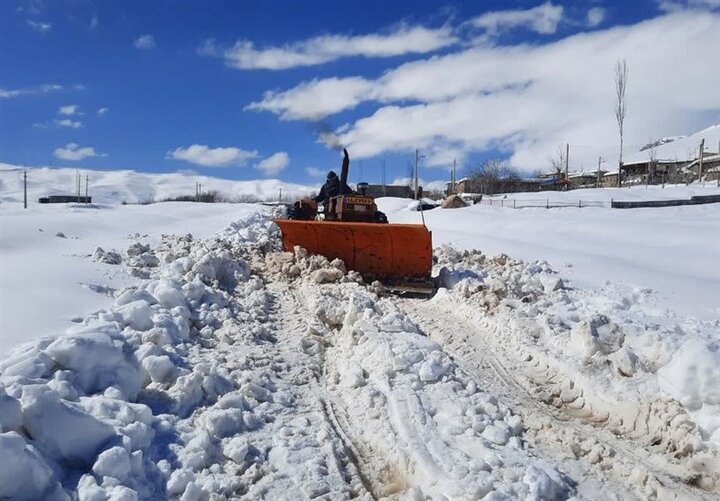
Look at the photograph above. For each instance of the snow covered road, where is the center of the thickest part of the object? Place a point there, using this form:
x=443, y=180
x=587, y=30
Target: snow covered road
x=227, y=369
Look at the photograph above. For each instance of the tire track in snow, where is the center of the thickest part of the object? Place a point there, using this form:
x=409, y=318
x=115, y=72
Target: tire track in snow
x=297, y=334
x=465, y=344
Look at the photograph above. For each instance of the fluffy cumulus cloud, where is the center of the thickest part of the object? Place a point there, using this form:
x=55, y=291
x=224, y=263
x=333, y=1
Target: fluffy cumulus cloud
x=200, y=154
x=145, y=42
x=70, y=109
x=101, y=111
x=543, y=19
x=595, y=16
x=678, y=5
x=29, y=91
x=73, y=152
x=39, y=26
x=66, y=122
x=402, y=39
x=525, y=100
x=274, y=164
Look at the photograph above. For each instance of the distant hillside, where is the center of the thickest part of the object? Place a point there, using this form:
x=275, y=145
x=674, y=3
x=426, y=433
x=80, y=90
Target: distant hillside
x=115, y=187
x=679, y=148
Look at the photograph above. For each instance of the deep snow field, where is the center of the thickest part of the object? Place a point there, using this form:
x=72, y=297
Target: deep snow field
x=576, y=353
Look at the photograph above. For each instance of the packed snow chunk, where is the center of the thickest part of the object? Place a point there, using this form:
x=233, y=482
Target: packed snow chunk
x=396, y=322
x=98, y=361
x=236, y=449
x=625, y=361
x=597, y=334
x=433, y=368
x=450, y=278
x=114, y=462
x=107, y=257
x=121, y=493
x=136, y=314
x=10, y=412
x=545, y=482
x=132, y=294
x=693, y=374
x=24, y=474
x=497, y=433
x=353, y=376
x=168, y=292
x=179, y=479
x=89, y=490
x=61, y=430
x=222, y=422
x=160, y=368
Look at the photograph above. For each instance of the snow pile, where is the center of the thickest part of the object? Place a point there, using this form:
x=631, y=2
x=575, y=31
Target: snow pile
x=598, y=354
x=168, y=393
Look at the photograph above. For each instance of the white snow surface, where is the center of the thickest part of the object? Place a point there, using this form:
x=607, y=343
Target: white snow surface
x=672, y=251
x=213, y=366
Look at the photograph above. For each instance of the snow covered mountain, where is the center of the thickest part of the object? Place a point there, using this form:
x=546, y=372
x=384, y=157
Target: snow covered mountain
x=118, y=186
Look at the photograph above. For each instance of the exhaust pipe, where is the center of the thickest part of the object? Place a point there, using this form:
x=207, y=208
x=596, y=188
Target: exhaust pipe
x=345, y=168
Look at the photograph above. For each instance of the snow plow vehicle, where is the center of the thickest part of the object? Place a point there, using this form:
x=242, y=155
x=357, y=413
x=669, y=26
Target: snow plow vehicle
x=351, y=228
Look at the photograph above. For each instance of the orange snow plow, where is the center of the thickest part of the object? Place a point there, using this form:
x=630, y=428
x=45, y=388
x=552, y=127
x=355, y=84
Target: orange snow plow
x=378, y=250
x=352, y=229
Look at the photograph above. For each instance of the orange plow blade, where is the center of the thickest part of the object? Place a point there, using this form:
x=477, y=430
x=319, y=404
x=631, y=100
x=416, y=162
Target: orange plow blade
x=390, y=251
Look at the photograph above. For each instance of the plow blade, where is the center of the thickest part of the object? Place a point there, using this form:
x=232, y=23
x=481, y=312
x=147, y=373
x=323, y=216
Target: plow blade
x=385, y=251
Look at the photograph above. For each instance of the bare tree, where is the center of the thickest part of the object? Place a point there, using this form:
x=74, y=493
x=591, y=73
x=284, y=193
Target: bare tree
x=621, y=76
x=495, y=176
x=557, y=160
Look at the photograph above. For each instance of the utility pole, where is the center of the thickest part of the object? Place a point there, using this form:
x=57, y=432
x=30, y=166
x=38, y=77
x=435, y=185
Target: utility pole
x=702, y=151
x=567, y=164
x=280, y=197
x=417, y=158
x=361, y=172
x=454, y=177
x=597, y=183
x=87, y=182
x=383, y=177
x=25, y=189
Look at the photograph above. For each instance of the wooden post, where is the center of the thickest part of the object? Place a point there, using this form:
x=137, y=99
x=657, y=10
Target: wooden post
x=25, y=189
x=547, y=203
x=514, y=203
x=580, y=204
x=702, y=151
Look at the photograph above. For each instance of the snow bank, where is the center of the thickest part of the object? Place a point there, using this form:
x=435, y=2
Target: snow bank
x=601, y=354
x=101, y=399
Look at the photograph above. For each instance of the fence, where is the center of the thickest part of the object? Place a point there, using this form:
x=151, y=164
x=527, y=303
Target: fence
x=514, y=203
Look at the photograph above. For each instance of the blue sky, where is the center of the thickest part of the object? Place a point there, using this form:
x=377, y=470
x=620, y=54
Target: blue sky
x=244, y=90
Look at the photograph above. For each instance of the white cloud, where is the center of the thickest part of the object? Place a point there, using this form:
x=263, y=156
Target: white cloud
x=39, y=26
x=66, y=122
x=595, y=16
x=145, y=42
x=70, y=109
x=322, y=49
x=678, y=5
x=525, y=100
x=315, y=99
x=73, y=152
x=200, y=154
x=273, y=164
x=315, y=172
x=543, y=19
x=102, y=111
x=29, y=91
